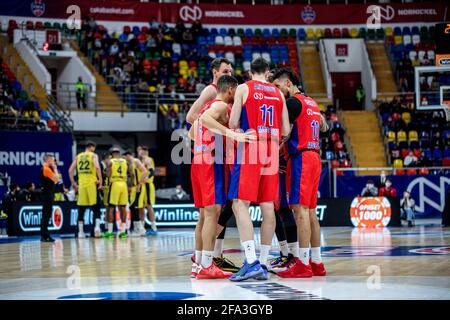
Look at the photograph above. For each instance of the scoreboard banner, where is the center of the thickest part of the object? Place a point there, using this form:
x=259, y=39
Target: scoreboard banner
x=365, y=212
x=229, y=14
x=22, y=153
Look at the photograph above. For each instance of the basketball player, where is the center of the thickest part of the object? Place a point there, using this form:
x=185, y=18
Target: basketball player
x=149, y=164
x=303, y=174
x=136, y=198
x=208, y=170
x=120, y=177
x=219, y=67
x=89, y=181
x=259, y=106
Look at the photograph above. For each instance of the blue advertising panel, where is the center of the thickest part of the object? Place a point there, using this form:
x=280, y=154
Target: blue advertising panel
x=428, y=191
x=21, y=154
x=324, y=184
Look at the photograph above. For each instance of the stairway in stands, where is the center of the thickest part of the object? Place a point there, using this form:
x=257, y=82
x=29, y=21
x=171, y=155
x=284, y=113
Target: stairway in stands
x=382, y=70
x=106, y=99
x=363, y=133
x=22, y=72
x=310, y=65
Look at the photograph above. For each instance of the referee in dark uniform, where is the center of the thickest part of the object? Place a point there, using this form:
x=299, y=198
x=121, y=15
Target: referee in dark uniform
x=49, y=178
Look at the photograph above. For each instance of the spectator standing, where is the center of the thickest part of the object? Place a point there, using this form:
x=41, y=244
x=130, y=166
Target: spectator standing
x=369, y=190
x=407, y=205
x=388, y=190
x=80, y=91
x=49, y=178
x=154, y=24
x=410, y=160
x=360, y=95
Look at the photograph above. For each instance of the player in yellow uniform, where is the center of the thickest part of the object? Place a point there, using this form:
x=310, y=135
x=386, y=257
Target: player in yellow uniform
x=89, y=181
x=150, y=186
x=120, y=177
x=138, y=196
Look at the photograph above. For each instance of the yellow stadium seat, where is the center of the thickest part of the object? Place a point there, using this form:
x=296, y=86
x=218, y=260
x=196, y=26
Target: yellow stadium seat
x=413, y=136
x=319, y=33
x=401, y=136
x=152, y=88
x=176, y=108
x=354, y=33
x=406, y=116
x=310, y=34
x=398, y=163
x=388, y=31
x=391, y=136
x=398, y=40
x=322, y=107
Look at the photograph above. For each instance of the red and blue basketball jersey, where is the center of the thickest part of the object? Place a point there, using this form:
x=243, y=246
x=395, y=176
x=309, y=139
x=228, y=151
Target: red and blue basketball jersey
x=306, y=129
x=255, y=173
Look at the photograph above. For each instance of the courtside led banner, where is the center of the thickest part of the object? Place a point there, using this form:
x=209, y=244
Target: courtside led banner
x=64, y=219
x=228, y=13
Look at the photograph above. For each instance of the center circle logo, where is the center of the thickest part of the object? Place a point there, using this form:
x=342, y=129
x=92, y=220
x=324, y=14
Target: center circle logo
x=190, y=13
x=370, y=212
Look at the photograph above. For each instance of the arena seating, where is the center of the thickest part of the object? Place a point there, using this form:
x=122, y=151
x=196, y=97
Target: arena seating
x=19, y=111
x=424, y=133
x=333, y=146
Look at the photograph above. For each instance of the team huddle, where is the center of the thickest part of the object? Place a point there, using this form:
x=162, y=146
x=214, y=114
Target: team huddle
x=256, y=143
x=120, y=180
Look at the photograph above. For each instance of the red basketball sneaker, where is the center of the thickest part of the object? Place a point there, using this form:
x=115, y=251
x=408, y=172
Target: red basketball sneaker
x=212, y=272
x=318, y=269
x=194, y=270
x=297, y=270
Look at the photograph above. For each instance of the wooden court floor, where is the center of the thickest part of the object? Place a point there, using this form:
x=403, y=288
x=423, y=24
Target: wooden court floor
x=390, y=263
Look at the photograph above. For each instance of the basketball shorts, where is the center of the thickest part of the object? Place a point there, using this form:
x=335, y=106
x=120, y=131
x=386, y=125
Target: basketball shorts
x=208, y=184
x=118, y=193
x=142, y=199
x=87, y=195
x=151, y=196
x=303, y=178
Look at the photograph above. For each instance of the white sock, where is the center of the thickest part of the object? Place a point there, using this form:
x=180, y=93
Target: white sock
x=80, y=227
x=263, y=253
x=198, y=256
x=124, y=227
x=304, y=255
x=293, y=249
x=316, y=256
x=249, y=249
x=154, y=226
x=218, y=248
x=207, y=257
x=97, y=223
x=142, y=225
x=110, y=227
x=137, y=226
x=284, y=247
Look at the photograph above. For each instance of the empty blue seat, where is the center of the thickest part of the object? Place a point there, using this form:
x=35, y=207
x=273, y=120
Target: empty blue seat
x=275, y=33
x=301, y=34
x=266, y=32
x=406, y=30
x=136, y=30
x=397, y=31
x=248, y=32
x=201, y=40
x=415, y=30
x=223, y=32
x=214, y=32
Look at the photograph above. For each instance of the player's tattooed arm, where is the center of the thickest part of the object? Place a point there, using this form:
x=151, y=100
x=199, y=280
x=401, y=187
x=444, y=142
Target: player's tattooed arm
x=72, y=168
x=130, y=174
x=285, y=123
x=208, y=94
x=98, y=170
x=210, y=120
x=239, y=97
x=323, y=124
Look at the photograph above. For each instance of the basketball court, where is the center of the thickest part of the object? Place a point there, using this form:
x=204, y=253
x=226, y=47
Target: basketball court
x=389, y=263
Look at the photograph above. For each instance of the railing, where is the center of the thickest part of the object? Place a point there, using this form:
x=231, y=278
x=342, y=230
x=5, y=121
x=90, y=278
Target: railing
x=392, y=170
x=63, y=118
x=130, y=99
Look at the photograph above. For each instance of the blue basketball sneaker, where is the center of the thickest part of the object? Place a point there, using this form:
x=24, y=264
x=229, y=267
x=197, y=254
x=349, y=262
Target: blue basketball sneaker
x=250, y=270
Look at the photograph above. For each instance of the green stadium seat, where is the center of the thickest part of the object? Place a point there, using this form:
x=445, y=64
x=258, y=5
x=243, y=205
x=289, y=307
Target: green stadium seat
x=258, y=32
x=380, y=34
x=363, y=33
x=284, y=33
x=241, y=32
x=370, y=34
x=292, y=32
x=47, y=25
x=57, y=25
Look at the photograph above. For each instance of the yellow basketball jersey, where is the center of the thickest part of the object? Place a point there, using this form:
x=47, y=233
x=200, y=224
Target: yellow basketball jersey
x=85, y=168
x=119, y=168
x=150, y=166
